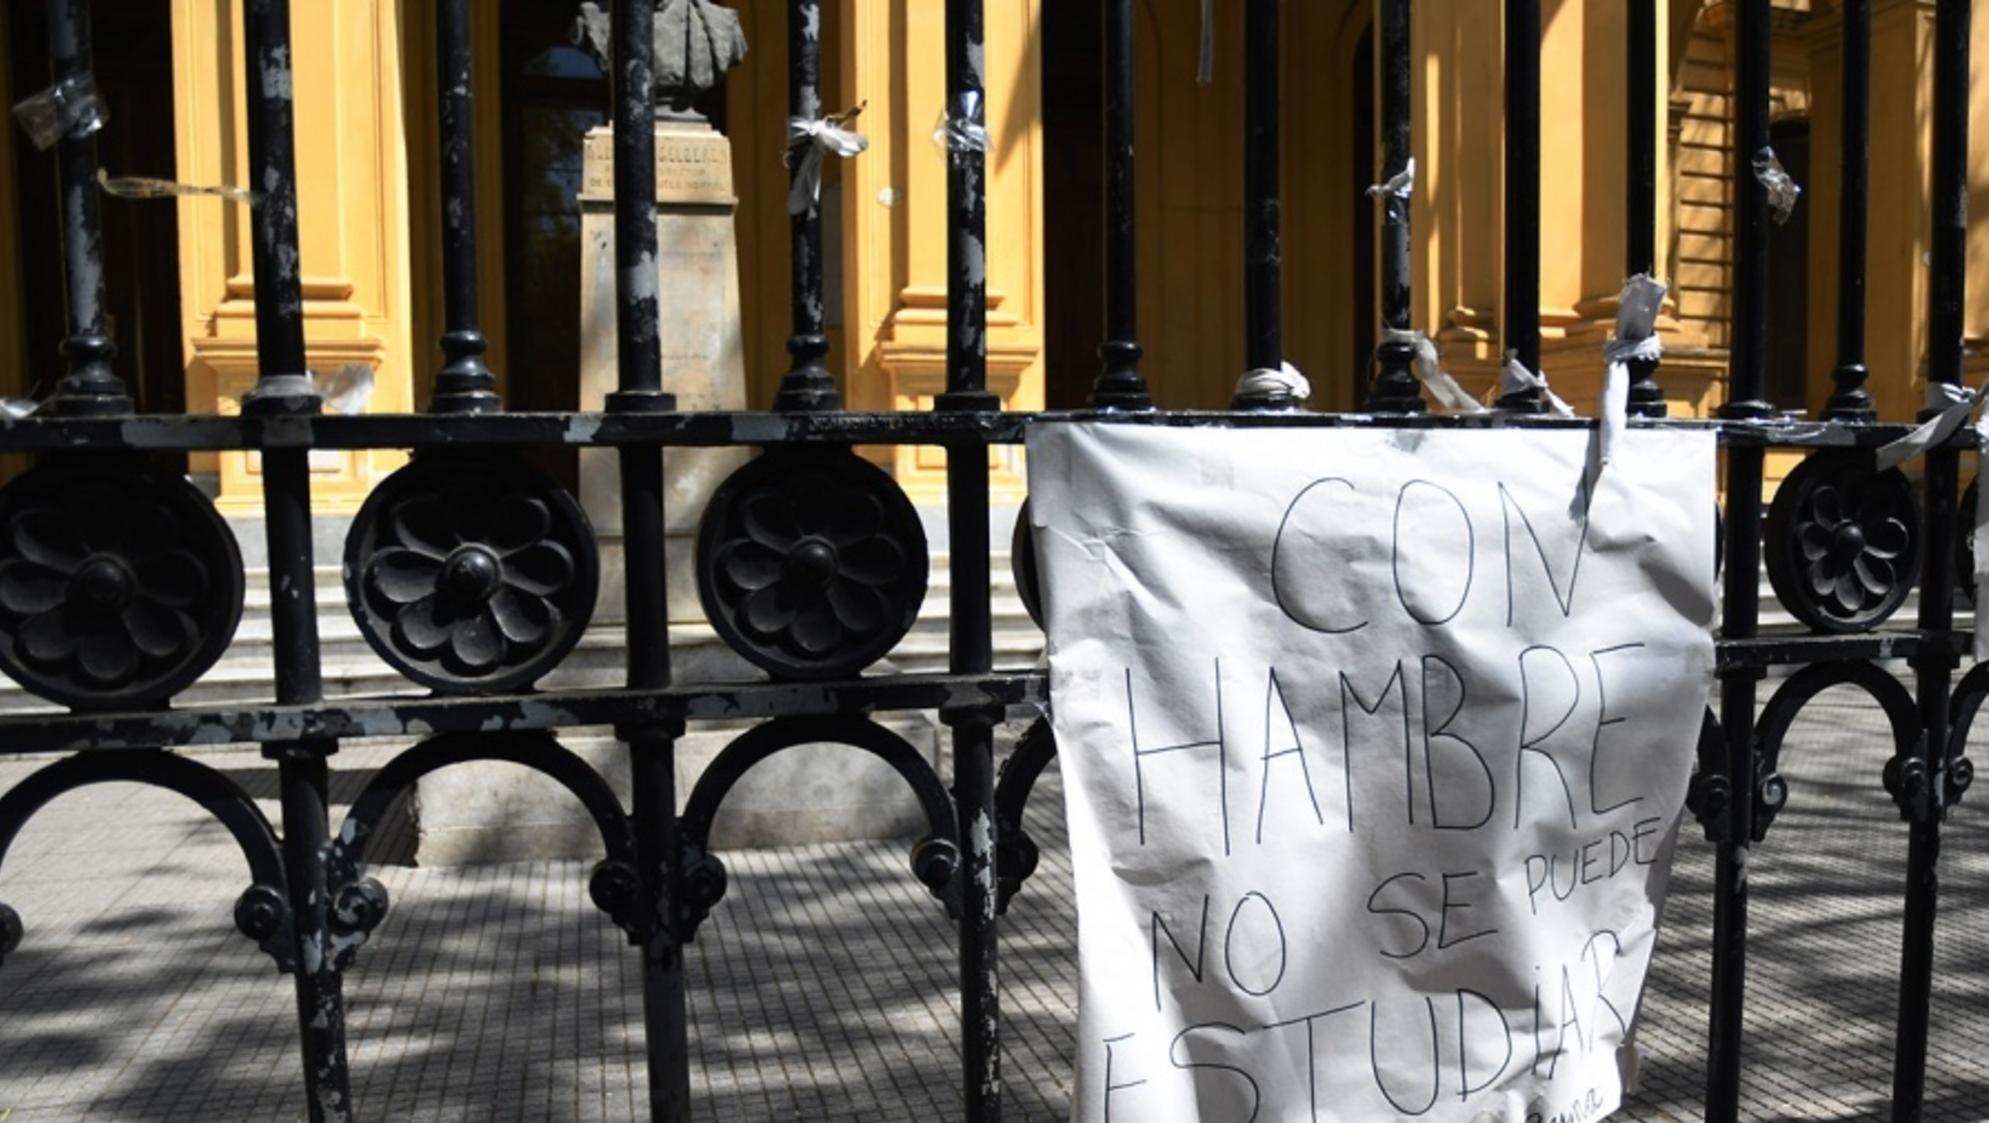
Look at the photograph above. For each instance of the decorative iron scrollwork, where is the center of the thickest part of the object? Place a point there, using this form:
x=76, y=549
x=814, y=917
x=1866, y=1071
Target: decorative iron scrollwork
x=11, y=932
x=935, y=858
x=1842, y=540
x=359, y=902
x=812, y=563
x=1709, y=796
x=1016, y=854
x=262, y=912
x=119, y=584
x=472, y=574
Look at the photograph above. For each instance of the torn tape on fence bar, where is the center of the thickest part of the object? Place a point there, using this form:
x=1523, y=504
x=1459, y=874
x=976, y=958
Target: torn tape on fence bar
x=67, y=109
x=962, y=126
x=1783, y=190
x=145, y=187
x=346, y=389
x=1434, y=378
x=1955, y=403
x=1636, y=339
x=1264, y=384
x=1394, y=192
x=1205, y=63
x=1401, y=185
x=1515, y=377
x=809, y=143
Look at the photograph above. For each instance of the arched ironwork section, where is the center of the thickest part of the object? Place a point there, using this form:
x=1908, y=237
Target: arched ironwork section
x=119, y=584
x=262, y=912
x=471, y=574
x=1015, y=851
x=359, y=903
x=811, y=563
x=1709, y=796
x=1843, y=541
x=1771, y=791
x=934, y=858
x=1969, y=694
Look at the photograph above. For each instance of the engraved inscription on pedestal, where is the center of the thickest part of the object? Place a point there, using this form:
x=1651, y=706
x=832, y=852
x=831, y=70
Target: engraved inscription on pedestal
x=693, y=165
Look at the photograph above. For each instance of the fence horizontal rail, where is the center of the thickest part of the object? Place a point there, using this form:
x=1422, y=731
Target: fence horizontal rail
x=718, y=429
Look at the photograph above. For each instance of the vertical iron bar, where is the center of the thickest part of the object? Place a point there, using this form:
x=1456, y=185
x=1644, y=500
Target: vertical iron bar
x=966, y=212
x=639, y=355
x=1749, y=359
x=1263, y=326
x=1740, y=608
x=651, y=745
x=971, y=644
x=283, y=383
x=1948, y=287
x=464, y=384
x=807, y=385
x=1395, y=389
x=302, y=781
x=1850, y=401
x=1119, y=384
x=1640, y=218
x=1522, y=218
x=283, y=386
x=89, y=385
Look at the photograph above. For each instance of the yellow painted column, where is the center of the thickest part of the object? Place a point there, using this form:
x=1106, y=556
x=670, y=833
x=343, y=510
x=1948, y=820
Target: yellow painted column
x=352, y=209
x=1456, y=219
x=894, y=210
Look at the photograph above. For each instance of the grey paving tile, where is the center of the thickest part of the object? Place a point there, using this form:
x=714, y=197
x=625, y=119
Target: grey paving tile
x=823, y=986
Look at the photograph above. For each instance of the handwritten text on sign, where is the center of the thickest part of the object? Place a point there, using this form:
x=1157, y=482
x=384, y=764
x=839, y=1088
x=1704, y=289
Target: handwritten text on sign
x=1374, y=745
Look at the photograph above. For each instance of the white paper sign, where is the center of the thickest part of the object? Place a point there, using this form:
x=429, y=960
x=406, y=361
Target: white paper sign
x=1375, y=743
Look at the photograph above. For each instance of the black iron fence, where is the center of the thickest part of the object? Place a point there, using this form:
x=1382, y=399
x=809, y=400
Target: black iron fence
x=120, y=585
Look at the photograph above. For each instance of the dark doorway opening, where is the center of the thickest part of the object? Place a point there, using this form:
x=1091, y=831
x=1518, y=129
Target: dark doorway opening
x=1074, y=203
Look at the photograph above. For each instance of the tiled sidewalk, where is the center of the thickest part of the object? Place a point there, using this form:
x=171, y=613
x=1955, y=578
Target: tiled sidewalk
x=824, y=982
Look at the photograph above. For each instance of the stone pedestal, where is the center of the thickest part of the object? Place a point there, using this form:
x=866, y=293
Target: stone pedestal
x=495, y=812
x=697, y=287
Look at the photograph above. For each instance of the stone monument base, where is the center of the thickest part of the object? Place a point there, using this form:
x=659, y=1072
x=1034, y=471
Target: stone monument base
x=484, y=812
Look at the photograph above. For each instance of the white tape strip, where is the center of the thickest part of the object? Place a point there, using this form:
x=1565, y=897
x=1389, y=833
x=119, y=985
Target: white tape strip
x=1954, y=402
x=1636, y=339
x=1430, y=373
x=1273, y=385
x=1515, y=377
x=962, y=126
x=812, y=141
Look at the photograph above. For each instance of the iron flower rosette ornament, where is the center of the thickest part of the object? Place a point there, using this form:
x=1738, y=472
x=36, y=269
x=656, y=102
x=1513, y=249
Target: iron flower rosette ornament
x=119, y=584
x=471, y=574
x=1842, y=541
x=811, y=564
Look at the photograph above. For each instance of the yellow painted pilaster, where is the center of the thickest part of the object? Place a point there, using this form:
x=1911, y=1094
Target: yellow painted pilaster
x=353, y=214
x=1460, y=159
x=894, y=208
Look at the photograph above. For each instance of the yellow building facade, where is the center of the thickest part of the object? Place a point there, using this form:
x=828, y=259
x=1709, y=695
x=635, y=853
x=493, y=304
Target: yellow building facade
x=369, y=207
